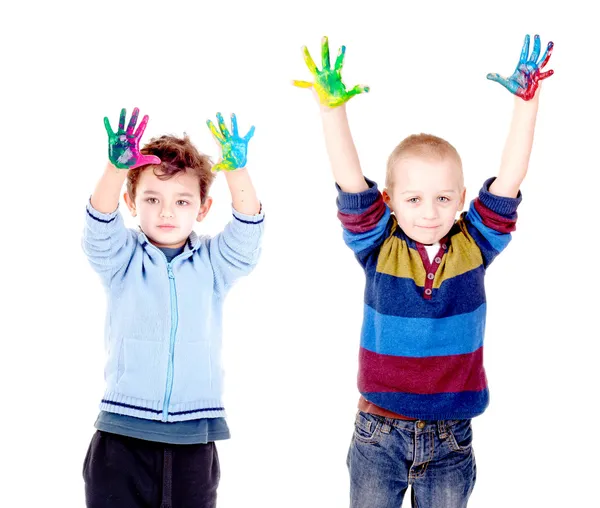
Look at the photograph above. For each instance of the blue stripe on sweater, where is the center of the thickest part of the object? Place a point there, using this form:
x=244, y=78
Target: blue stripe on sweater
x=249, y=221
x=360, y=242
x=443, y=303
x=497, y=240
x=100, y=220
x=421, y=337
x=458, y=405
x=155, y=411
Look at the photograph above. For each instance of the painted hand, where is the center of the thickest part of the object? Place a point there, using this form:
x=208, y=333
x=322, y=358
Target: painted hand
x=328, y=82
x=124, y=146
x=233, y=147
x=524, y=81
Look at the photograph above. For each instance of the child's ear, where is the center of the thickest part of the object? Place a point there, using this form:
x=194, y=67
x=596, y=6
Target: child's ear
x=462, y=198
x=130, y=203
x=204, y=208
x=387, y=199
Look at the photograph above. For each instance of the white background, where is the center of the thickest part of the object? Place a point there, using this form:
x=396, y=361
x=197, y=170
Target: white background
x=292, y=327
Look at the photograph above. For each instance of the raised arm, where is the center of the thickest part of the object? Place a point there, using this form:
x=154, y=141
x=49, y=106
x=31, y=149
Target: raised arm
x=106, y=241
x=234, y=252
x=332, y=97
x=525, y=84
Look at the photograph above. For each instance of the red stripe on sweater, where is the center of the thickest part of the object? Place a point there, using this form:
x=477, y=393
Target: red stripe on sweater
x=365, y=221
x=493, y=220
x=428, y=375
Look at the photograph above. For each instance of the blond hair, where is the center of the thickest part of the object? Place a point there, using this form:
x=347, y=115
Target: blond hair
x=421, y=145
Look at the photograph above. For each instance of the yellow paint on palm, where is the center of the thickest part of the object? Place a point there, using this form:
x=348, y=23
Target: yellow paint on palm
x=328, y=82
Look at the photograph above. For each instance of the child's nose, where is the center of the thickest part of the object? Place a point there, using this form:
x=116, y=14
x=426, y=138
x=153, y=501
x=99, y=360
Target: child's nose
x=166, y=212
x=430, y=211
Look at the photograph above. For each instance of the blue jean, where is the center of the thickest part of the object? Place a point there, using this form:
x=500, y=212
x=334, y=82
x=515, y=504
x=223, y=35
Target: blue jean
x=387, y=455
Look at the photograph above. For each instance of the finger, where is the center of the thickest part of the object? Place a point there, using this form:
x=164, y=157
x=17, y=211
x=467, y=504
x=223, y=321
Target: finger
x=339, y=61
x=132, y=121
x=248, y=136
x=509, y=85
x=358, y=89
x=234, y=125
x=222, y=126
x=536, y=49
x=524, y=51
x=141, y=127
x=302, y=84
x=108, y=128
x=326, y=63
x=222, y=165
x=496, y=77
x=122, y=120
x=544, y=75
x=546, y=56
x=310, y=63
x=149, y=159
x=214, y=131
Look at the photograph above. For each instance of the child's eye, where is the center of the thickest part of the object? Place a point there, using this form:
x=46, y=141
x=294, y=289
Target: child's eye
x=412, y=200
x=152, y=201
x=181, y=202
x=444, y=199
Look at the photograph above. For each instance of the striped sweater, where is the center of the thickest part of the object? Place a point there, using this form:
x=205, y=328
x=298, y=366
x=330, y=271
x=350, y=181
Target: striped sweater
x=421, y=350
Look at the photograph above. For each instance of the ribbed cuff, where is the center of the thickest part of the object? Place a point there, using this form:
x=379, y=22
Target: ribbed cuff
x=498, y=204
x=249, y=219
x=99, y=221
x=348, y=201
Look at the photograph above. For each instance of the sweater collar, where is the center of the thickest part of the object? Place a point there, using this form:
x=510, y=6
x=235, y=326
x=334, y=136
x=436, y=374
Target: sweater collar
x=192, y=244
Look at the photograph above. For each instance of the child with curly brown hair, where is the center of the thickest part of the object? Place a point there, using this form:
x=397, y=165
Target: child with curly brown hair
x=162, y=410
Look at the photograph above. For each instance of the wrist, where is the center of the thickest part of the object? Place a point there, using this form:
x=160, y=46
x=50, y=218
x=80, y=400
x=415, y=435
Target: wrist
x=329, y=112
x=531, y=104
x=236, y=174
x=114, y=172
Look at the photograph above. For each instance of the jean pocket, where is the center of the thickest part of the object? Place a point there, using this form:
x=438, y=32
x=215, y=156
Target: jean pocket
x=367, y=428
x=460, y=435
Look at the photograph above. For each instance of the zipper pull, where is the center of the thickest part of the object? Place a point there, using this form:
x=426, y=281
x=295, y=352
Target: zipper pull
x=170, y=271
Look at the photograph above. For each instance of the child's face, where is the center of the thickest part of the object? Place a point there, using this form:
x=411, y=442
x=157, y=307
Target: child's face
x=426, y=195
x=167, y=208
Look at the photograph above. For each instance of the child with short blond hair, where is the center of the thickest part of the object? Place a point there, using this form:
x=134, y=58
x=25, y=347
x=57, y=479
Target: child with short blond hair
x=421, y=374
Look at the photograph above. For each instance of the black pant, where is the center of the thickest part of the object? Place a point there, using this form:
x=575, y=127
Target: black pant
x=122, y=471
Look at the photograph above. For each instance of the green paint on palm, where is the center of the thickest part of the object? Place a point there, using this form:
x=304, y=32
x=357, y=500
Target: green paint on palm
x=123, y=145
x=234, y=148
x=328, y=83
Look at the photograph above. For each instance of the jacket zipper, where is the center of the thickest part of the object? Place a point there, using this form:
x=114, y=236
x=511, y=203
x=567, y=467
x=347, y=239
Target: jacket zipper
x=174, y=321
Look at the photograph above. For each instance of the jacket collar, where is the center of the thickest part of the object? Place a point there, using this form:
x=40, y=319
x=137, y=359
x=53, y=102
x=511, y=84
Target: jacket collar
x=191, y=245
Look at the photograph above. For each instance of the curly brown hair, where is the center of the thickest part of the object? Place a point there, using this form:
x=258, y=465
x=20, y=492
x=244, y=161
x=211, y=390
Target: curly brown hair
x=176, y=155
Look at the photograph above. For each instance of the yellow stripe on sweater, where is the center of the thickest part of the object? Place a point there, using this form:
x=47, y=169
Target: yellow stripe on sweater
x=396, y=258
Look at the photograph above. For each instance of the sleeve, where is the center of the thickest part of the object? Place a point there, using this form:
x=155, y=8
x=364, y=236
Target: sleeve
x=106, y=242
x=234, y=252
x=490, y=221
x=364, y=217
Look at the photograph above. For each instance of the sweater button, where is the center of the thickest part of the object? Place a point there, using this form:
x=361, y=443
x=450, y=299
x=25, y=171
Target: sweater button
x=430, y=276
x=420, y=424
x=428, y=291
x=438, y=259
